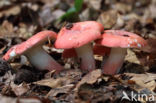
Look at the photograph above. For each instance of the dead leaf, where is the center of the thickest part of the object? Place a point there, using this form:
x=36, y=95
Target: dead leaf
x=53, y=83
x=119, y=22
x=6, y=29
x=143, y=80
x=123, y=8
x=95, y=4
x=90, y=78
x=56, y=91
x=19, y=89
x=108, y=18
x=152, y=9
x=11, y=11
x=4, y=3
x=85, y=14
x=4, y=99
x=131, y=57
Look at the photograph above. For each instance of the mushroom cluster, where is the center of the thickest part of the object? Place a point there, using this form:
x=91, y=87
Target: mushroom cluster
x=81, y=40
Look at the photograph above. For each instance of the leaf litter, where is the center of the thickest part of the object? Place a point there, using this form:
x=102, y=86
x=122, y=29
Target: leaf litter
x=19, y=20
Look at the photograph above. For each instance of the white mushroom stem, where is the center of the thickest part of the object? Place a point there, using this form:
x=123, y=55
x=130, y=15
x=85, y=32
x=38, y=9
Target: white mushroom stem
x=114, y=61
x=85, y=54
x=42, y=60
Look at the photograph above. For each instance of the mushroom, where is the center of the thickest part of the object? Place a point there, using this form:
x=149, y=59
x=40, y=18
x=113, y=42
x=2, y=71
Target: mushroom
x=32, y=49
x=79, y=36
x=119, y=40
x=97, y=50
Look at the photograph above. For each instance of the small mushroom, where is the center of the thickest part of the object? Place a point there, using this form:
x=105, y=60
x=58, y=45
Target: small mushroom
x=32, y=49
x=119, y=40
x=79, y=36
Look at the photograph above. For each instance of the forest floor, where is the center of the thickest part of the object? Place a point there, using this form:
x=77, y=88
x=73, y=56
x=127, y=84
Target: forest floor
x=22, y=83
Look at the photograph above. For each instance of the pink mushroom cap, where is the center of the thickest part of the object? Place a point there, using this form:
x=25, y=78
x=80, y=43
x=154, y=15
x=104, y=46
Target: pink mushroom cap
x=79, y=34
x=118, y=41
x=38, y=39
x=123, y=39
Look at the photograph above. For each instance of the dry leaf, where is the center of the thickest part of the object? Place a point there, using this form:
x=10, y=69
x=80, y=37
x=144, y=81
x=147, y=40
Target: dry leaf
x=121, y=7
x=144, y=80
x=56, y=91
x=4, y=99
x=90, y=78
x=11, y=11
x=6, y=30
x=108, y=18
x=96, y=4
x=53, y=83
x=19, y=89
x=131, y=57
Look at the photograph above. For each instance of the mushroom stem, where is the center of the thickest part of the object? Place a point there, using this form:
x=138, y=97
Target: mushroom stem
x=114, y=61
x=85, y=54
x=42, y=60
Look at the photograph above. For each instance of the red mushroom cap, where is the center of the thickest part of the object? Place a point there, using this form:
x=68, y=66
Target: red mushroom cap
x=36, y=40
x=78, y=34
x=119, y=38
x=97, y=49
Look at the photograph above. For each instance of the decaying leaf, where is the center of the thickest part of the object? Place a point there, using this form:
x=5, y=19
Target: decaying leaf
x=53, y=83
x=131, y=57
x=4, y=99
x=142, y=81
x=11, y=11
x=6, y=29
x=20, y=89
x=54, y=92
x=20, y=19
x=108, y=18
x=121, y=7
x=96, y=4
x=90, y=78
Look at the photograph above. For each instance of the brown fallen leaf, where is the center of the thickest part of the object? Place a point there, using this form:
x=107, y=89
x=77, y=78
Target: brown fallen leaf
x=152, y=9
x=131, y=82
x=142, y=81
x=123, y=8
x=6, y=29
x=90, y=78
x=4, y=99
x=47, y=16
x=20, y=89
x=11, y=11
x=54, y=92
x=108, y=18
x=53, y=83
x=131, y=57
x=96, y=4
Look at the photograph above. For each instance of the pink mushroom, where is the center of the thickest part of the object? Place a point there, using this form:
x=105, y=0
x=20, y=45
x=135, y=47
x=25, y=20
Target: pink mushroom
x=79, y=36
x=32, y=49
x=97, y=50
x=119, y=40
